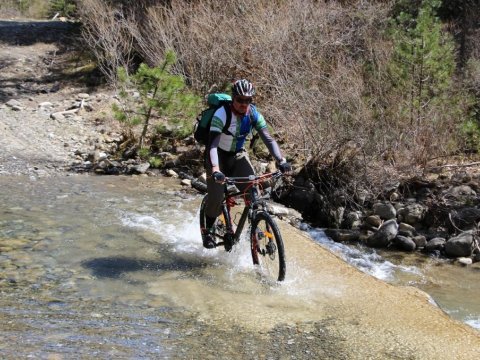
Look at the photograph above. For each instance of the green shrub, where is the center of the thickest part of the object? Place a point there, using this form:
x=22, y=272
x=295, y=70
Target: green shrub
x=143, y=153
x=65, y=8
x=155, y=162
x=153, y=97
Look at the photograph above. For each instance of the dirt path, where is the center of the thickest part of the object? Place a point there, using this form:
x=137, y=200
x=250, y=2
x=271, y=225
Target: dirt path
x=39, y=77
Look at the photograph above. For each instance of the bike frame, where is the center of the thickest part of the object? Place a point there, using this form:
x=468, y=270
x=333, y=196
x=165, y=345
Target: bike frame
x=251, y=204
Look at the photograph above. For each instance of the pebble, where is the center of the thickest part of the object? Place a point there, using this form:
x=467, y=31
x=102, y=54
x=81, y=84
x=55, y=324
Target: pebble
x=172, y=173
x=186, y=182
x=465, y=261
x=13, y=103
x=45, y=104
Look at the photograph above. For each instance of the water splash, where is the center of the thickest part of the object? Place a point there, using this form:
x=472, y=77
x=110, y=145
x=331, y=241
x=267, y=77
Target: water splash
x=365, y=259
x=180, y=229
x=473, y=322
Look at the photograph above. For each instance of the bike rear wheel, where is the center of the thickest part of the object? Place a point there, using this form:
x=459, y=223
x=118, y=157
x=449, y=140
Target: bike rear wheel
x=267, y=247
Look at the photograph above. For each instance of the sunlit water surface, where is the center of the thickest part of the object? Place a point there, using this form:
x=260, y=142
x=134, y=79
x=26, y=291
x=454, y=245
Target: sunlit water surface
x=455, y=288
x=115, y=265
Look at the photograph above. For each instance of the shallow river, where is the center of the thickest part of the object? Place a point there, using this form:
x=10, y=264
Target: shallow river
x=113, y=267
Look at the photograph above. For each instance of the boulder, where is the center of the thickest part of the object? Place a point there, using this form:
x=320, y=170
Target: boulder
x=420, y=241
x=465, y=261
x=460, y=246
x=434, y=244
x=340, y=235
x=186, y=182
x=199, y=185
x=140, y=168
x=336, y=216
x=352, y=220
x=407, y=230
x=412, y=214
x=14, y=105
x=171, y=173
x=460, y=195
x=374, y=220
x=385, y=211
x=300, y=199
x=404, y=243
x=385, y=234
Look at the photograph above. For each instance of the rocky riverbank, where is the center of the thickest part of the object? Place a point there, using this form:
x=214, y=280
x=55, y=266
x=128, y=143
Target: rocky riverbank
x=67, y=291
x=437, y=215
x=53, y=122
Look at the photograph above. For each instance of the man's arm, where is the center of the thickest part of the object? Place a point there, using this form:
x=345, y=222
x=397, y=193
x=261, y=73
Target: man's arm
x=216, y=128
x=271, y=144
x=214, y=140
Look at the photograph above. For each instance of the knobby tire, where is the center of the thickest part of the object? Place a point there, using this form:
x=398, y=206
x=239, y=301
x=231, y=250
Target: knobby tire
x=271, y=261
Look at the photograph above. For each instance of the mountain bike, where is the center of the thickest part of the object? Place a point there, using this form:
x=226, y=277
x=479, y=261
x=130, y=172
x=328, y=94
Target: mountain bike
x=266, y=244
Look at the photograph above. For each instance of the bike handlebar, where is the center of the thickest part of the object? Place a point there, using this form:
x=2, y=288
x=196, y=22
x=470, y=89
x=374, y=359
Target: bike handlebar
x=252, y=178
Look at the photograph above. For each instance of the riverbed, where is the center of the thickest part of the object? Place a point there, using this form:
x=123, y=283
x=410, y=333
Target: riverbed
x=105, y=267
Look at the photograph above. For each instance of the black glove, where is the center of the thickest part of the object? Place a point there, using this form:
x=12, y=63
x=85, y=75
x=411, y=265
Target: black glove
x=285, y=167
x=218, y=176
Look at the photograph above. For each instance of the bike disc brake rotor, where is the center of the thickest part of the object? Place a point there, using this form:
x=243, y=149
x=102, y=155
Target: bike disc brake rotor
x=271, y=249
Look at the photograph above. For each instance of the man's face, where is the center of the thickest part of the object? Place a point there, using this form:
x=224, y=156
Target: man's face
x=241, y=104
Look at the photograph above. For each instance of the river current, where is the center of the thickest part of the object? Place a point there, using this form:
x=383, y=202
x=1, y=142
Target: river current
x=115, y=265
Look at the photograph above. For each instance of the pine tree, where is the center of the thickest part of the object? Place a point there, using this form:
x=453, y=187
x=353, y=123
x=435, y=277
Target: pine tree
x=423, y=58
x=422, y=70
x=159, y=95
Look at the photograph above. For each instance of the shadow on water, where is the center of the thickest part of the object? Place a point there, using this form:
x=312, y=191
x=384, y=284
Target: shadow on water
x=114, y=267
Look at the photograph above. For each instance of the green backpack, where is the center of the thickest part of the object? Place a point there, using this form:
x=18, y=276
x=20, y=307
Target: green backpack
x=202, y=128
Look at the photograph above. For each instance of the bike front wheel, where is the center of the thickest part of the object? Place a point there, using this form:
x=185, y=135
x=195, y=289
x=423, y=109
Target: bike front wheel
x=267, y=247
x=220, y=227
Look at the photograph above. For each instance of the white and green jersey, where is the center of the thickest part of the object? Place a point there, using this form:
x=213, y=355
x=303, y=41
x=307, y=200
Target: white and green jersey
x=240, y=127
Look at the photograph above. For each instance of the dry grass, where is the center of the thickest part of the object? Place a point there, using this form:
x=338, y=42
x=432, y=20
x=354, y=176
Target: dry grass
x=33, y=9
x=106, y=32
x=319, y=67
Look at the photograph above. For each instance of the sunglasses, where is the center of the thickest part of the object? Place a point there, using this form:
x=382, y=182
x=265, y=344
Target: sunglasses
x=243, y=100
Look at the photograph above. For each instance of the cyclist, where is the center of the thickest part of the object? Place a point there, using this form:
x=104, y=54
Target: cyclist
x=225, y=154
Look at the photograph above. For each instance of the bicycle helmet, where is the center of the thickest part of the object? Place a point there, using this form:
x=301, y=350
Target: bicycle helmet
x=243, y=88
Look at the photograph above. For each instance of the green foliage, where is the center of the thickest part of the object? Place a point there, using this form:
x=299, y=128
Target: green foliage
x=36, y=9
x=421, y=71
x=424, y=59
x=41, y=8
x=63, y=7
x=155, y=162
x=153, y=96
x=471, y=132
x=23, y=5
x=143, y=153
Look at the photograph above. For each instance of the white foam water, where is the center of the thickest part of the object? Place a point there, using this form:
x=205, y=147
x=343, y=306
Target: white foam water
x=473, y=322
x=368, y=261
x=365, y=259
x=184, y=237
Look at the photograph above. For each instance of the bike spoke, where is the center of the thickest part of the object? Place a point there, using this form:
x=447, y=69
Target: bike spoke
x=267, y=248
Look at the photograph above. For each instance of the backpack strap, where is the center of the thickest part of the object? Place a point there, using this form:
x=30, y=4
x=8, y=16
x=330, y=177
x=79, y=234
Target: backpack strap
x=253, y=122
x=228, y=112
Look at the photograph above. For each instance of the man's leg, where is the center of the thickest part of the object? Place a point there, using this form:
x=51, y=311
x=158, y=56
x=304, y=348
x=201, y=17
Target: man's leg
x=213, y=208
